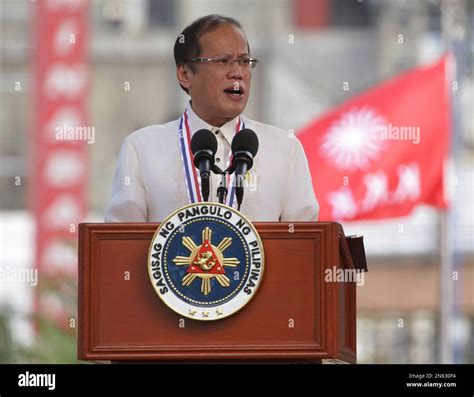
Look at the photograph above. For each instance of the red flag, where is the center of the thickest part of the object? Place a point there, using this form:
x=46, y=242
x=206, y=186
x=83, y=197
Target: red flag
x=383, y=152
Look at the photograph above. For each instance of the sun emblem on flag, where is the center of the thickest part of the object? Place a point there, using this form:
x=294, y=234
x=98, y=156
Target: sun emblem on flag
x=353, y=140
x=206, y=261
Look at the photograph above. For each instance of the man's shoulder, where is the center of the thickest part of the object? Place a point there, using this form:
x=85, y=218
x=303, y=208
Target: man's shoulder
x=156, y=131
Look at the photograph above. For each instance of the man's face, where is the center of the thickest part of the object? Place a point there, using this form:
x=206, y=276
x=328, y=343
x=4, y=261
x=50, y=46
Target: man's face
x=209, y=87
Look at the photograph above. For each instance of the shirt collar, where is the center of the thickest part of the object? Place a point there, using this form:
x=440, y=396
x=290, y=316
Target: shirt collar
x=196, y=123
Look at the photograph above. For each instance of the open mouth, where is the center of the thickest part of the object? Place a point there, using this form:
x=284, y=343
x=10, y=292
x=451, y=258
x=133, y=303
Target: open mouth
x=236, y=93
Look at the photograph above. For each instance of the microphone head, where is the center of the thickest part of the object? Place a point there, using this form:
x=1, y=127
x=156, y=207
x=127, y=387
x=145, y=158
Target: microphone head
x=203, y=140
x=245, y=140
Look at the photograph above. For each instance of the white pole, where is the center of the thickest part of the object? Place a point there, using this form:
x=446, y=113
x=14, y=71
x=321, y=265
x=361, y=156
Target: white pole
x=453, y=19
x=446, y=289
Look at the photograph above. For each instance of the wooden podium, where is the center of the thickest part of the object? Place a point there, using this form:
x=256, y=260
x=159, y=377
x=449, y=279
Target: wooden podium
x=295, y=315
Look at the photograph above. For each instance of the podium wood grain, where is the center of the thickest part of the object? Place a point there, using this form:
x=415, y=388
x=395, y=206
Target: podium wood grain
x=295, y=315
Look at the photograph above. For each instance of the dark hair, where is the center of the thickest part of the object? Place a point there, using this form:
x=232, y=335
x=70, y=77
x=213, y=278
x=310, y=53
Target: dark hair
x=187, y=44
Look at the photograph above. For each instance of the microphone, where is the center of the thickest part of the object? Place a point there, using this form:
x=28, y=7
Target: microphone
x=244, y=148
x=204, y=147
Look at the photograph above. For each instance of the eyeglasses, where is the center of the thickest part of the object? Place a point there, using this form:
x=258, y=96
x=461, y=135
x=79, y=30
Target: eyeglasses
x=225, y=61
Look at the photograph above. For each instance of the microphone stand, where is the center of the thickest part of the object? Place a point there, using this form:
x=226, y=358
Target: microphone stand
x=239, y=189
x=222, y=189
x=239, y=183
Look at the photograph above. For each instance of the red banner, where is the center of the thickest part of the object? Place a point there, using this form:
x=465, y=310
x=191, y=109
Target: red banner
x=382, y=153
x=61, y=135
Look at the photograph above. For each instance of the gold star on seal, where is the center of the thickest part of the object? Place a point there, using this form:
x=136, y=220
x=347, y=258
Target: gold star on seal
x=206, y=261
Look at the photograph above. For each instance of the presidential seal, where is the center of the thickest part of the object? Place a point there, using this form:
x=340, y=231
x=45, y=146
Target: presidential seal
x=206, y=261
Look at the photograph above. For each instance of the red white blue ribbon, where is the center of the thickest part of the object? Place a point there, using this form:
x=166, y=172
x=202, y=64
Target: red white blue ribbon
x=190, y=172
x=191, y=176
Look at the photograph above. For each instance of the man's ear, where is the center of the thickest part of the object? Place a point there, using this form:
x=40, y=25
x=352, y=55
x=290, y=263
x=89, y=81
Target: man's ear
x=182, y=72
